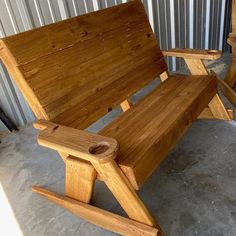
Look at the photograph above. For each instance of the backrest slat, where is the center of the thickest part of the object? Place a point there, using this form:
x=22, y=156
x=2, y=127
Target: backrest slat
x=80, y=67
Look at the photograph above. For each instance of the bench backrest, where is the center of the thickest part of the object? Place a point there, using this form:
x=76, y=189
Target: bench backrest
x=73, y=71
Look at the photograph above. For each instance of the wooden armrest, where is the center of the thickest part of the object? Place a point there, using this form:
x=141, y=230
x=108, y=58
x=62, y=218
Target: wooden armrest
x=193, y=53
x=82, y=144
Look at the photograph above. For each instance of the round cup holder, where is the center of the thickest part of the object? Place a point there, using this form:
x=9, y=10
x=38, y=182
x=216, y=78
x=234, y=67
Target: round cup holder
x=99, y=148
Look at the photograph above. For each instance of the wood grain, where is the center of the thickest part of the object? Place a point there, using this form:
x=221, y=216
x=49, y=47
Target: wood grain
x=124, y=192
x=166, y=112
x=80, y=178
x=102, y=218
x=193, y=53
x=112, y=54
x=79, y=143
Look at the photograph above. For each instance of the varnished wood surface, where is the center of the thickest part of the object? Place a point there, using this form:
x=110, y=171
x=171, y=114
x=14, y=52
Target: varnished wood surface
x=102, y=218
x=79, y=143
x=193, y=53
x=124, y=192
x=81, y=67
x=149, y=130
x=80, y=178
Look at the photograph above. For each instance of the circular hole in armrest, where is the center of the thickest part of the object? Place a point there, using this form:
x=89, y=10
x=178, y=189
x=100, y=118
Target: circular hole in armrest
x=99, y=148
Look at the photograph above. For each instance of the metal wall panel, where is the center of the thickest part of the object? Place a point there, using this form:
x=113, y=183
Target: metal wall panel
x=177, y=23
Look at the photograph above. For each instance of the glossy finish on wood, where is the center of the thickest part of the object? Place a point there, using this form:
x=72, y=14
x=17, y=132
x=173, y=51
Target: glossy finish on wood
x=79, y=143
x=102, y=218
x=80, y=178
x=79, y=69
x=166, y=112
x=112, y=53
x=193, y=53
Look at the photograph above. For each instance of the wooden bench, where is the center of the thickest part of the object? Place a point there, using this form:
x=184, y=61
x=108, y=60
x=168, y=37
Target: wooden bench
x=74, y=71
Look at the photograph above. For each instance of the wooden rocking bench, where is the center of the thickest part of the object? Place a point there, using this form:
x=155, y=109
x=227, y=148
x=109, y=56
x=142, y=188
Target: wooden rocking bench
x=74, y=71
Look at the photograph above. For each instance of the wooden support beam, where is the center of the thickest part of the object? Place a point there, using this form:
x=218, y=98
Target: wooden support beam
x=227, y=90
x=80, y=179
x=216, y=106
x=124, y=192
x=218, y=109
x=207, y=114
x=99, y=217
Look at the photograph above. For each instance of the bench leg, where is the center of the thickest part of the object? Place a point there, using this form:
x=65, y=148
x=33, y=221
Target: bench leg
x=80, y=179
x=216, y=106
x=124, y=192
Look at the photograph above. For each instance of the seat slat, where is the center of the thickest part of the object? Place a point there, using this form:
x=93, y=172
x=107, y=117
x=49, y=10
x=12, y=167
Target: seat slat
x=149, y=130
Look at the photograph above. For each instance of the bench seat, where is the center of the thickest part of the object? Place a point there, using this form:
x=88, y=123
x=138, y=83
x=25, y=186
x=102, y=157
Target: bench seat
x=148, y=130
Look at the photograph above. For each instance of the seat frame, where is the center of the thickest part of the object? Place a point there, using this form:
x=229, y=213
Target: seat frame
x=83, y=164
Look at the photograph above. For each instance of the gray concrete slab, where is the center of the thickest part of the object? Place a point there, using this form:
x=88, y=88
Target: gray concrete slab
x=193, y=192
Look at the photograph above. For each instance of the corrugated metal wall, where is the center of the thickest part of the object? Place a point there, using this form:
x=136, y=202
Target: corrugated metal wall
x=177, y=23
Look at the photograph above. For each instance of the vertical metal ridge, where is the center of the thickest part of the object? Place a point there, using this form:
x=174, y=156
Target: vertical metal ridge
x=51, y=10
x=11, y=16
x=39, y=12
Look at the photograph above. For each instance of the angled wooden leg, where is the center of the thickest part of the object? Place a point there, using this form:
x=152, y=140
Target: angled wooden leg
x=207, y=114
x=218, y=109
x=124, y=192
x=216, y=106
x=80, y=178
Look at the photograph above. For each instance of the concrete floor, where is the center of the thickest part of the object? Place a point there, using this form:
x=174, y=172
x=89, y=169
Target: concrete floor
x=193, y=192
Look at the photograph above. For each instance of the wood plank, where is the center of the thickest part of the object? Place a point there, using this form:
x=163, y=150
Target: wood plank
x=112, y=54
x=51, y=38
x=28, y=93
x=99, y=217
x=124, y=192
x=110, y=96
x=190, y=53
x=218, y=109
x=140, y=130
x=80, y=178
x=79, y=143
x=227, y=90
x=207, y=114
